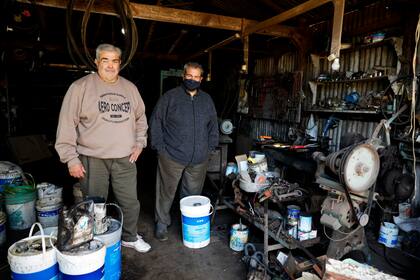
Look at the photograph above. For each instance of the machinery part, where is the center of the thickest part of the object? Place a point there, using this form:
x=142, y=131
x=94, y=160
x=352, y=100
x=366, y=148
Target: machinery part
x=226, y=127
x=388, y=181
x=352, y=99
x=337, y=213
x=343, y=243
x=357, y=166
x=332, y=122
x=404, y=187
x=360, y=168
x=351, y=138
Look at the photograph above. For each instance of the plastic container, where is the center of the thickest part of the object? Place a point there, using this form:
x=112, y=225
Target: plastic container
x=86, y=262
x=195, y=215
x=20, y=206
x=112, y=241
x=33, y=264
x=388, y=235
x=48, y=214
x=2, y=228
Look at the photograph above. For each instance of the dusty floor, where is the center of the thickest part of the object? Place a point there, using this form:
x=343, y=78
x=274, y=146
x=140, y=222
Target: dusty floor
x=172, y=260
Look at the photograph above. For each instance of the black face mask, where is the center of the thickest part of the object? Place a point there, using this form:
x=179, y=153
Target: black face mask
x=191, y=84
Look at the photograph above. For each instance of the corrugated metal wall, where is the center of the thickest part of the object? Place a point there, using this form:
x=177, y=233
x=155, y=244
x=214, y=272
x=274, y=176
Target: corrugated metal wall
x=267, y=67
x=352, y=60
x=271, y=66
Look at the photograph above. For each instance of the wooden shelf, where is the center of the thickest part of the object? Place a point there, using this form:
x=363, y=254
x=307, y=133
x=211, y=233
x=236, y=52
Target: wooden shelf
x=363, y=112
x=350, y=80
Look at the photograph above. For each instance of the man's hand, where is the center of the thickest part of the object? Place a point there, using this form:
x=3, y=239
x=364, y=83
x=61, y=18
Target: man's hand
x=77, y=171
x=135, y=153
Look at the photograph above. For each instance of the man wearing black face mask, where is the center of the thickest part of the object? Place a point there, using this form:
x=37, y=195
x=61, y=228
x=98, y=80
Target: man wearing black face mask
x=183, y=130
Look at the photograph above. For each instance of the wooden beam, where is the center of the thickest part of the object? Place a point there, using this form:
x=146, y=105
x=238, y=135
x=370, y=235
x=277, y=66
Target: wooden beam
x=337, y=28
x=298, y=10
x=246, y=55
x=172, y=15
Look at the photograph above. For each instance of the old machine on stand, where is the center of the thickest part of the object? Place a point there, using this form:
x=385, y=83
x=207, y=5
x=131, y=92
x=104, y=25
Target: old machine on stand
x=351, y=190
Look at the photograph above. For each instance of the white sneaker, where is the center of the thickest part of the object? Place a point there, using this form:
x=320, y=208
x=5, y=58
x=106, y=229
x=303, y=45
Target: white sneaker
x=139, y=245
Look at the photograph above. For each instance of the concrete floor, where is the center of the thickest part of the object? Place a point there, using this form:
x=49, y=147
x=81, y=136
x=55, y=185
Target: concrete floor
x=172, y=260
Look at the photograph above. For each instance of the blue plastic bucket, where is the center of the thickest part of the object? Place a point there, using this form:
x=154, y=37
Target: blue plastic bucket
x=195, y=210
x=112, y=241
x=2, y=228
x=35, y=264
x=86, y=264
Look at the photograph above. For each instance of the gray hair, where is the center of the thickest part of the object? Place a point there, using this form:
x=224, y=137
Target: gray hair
x=108, y=48
x=194, y=65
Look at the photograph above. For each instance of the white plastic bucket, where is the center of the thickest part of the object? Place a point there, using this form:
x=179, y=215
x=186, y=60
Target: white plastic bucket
x=388, y=235
x=83, y=264
x=48, y=214
x=238, y=237
x=195, y=210
x=112, y=241
x=39, y=265
x=2, y=228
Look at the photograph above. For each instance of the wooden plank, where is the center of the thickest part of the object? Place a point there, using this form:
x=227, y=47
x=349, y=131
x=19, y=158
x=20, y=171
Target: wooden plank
x=177, y=16
x=337, y=27
x=298, y=10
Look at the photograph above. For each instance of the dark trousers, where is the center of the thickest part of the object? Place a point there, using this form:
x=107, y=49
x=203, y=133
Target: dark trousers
x=169, y=173
x=123, y=177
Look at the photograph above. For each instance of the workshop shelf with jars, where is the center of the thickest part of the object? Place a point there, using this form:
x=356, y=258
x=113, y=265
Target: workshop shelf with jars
x=359, y=83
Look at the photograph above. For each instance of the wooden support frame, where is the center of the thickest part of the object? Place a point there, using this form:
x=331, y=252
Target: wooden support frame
x=303, y=8
x=172, y=15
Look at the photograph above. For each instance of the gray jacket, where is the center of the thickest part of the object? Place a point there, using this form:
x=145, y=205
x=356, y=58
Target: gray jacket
x=184, y=127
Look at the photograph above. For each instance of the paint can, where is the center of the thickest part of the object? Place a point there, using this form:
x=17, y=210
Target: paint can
x=84, y=262
x=112, y=241
x=48, y=214
x=2, y=228
x=195, y=216
x=27, y=262
x=49, y=193
x=238, y=237
x=404, y=210
x=293, y=213
x=20, y=206
x=388, y=235
x=305, y=222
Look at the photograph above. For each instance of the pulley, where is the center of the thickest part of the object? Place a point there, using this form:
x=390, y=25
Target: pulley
x=356, y=166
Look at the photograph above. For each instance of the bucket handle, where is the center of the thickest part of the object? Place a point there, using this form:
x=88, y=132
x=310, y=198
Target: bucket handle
x=211, y=210
x=119, y=210
x=44, y=247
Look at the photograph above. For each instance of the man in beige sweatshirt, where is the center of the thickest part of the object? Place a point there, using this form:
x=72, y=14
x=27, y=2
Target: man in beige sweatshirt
x=101, y=132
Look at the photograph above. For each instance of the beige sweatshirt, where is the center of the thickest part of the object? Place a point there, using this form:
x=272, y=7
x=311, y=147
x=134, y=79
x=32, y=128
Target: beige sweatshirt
x=100, y=120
